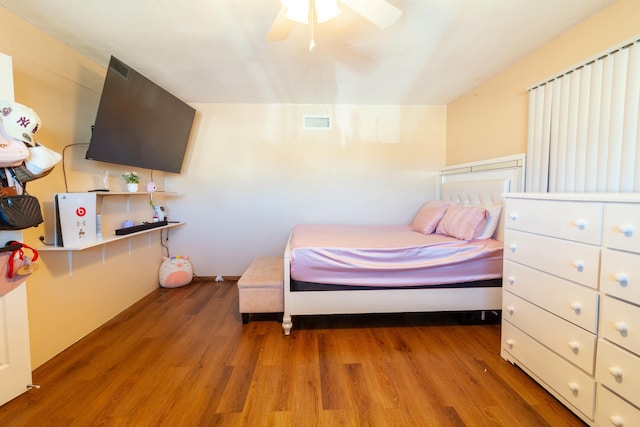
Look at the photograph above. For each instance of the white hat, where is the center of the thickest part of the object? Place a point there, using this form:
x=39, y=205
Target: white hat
x=20, y=122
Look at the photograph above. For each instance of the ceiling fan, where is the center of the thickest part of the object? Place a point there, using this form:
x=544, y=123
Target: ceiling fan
x=379, y=12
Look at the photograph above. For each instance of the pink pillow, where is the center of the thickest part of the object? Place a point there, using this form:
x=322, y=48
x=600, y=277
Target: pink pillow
x=440, y=203
x=493, y=217
x=463, y=222
x=427, y=219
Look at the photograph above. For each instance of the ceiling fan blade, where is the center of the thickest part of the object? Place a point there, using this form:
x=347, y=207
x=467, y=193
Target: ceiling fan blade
x=379, y=12
x=281, y=27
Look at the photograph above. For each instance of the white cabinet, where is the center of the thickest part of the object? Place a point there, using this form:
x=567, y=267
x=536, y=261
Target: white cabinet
x=571, y=300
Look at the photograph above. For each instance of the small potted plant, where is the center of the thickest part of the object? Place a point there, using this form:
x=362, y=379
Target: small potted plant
x=132, y=179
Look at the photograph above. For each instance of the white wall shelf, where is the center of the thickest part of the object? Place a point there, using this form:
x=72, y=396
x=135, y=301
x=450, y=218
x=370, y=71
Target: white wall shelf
x=134, y=193
x=112, y=237
x=102, y=242
x=105, y=240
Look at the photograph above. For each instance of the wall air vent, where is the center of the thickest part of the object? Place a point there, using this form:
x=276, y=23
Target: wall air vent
x=316, y=122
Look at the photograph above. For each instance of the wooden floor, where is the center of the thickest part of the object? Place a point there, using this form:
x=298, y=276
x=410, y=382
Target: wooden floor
x=181, y=357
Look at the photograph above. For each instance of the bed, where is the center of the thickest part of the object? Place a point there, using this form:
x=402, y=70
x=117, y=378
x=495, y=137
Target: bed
x=339, y=269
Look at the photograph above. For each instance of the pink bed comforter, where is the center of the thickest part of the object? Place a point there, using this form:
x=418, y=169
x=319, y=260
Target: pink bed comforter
x=389, y=256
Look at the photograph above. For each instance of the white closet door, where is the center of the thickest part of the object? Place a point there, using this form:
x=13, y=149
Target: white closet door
x=15, y=353
x=15, y=357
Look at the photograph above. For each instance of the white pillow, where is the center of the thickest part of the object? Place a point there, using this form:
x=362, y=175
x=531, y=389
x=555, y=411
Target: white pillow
x=493, y=217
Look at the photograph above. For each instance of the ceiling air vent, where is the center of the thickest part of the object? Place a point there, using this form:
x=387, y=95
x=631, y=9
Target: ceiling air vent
x=316, y=122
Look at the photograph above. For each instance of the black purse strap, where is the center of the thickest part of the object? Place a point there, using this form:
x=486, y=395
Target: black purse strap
x=11, y=246
x=3, y=178
x=14, y=177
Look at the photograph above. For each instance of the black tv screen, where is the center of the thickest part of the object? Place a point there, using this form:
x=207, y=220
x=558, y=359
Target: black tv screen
x=139, y=123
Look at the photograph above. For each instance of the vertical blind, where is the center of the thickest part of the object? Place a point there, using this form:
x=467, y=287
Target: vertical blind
x=584, y=126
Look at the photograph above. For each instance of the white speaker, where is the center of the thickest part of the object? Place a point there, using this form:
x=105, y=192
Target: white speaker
x=76, y=219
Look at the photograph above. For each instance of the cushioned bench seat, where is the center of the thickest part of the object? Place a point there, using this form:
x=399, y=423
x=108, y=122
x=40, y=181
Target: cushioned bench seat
x=261, y=287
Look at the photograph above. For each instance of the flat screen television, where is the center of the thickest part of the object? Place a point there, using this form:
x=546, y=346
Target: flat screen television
x=139, y=123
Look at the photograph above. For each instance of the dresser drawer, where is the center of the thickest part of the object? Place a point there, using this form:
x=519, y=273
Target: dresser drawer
x=562, y=377
x=620, y=323
x=622, y=226
x=620, y=275
x=615, y=412
x=566, y=339
x=574, y=261
x=578, y=221
x=573, y=302
x=619, y=370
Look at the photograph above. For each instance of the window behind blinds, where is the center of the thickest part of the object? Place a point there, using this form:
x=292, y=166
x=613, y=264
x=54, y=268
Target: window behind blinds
x=584, y=130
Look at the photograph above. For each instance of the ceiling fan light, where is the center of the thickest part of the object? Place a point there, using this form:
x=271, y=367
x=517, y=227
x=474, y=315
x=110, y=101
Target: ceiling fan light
x=297, y=10
x=326, y=10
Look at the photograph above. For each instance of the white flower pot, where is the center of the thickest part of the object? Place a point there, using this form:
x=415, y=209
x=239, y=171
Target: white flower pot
x=132, y=187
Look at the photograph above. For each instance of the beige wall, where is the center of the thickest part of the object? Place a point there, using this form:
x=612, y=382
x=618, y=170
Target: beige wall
x=71, y=293
x=252, y=173
x=491, y=120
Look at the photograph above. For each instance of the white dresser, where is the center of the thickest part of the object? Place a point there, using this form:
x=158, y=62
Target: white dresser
x=571, y=300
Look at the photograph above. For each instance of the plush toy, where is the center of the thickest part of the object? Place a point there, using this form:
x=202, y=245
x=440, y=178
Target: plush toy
x=175, y=272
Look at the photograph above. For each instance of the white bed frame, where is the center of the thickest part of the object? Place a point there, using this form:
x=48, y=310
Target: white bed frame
x=470, y=183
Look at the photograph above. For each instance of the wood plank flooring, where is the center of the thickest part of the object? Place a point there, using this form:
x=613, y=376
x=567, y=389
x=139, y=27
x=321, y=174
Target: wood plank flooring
x=181, y=357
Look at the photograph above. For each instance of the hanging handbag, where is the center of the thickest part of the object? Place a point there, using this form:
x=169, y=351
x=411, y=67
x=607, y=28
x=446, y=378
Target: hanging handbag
x=15, y=265
x=18, y=210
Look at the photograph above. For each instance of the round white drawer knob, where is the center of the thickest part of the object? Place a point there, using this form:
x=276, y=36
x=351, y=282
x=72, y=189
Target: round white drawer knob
x=615, y=371
x=510, y=343
x=626, y=229
x=581, y=223
x=574, y=387
x=513, y=216
x=576, y=307
x=574, y=345
x=621, y=278
x=513, y=247
x=621, y=327
x=511, y=280
x=616, y=420
x=511, y=309
x=579, y=265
